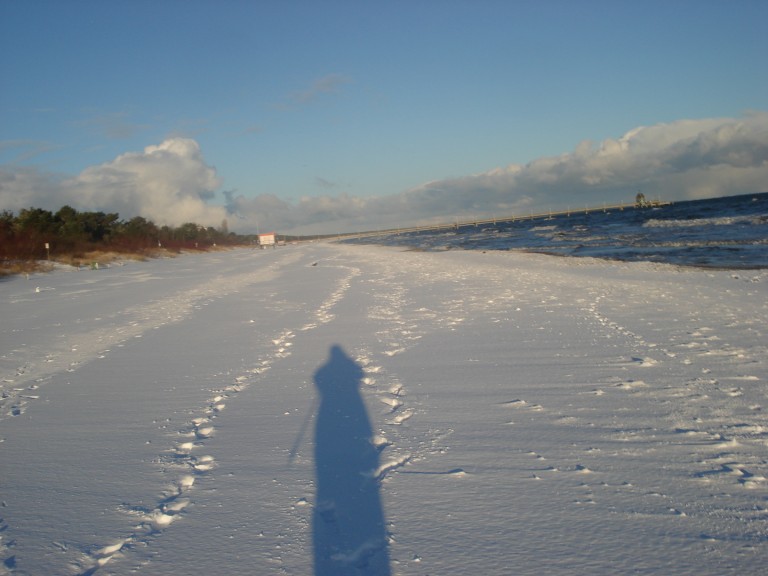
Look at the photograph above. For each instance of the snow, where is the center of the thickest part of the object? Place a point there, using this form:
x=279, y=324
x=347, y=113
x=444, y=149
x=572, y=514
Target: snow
x=329, y=409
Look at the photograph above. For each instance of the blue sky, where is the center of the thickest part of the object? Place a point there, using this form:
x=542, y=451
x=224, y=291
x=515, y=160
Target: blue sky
x=299, y=109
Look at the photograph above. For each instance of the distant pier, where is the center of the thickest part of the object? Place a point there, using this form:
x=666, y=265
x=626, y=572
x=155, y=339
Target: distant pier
x=605, y=208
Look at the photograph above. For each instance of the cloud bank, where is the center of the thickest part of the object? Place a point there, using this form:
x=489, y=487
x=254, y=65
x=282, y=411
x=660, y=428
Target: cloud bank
x=683, y=160
x=172, y=184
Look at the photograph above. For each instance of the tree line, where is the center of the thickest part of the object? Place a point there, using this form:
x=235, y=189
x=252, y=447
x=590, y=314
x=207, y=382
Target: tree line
x=37, y=234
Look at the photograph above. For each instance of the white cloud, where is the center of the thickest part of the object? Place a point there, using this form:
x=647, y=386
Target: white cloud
x=26, y=188
x=168, y=183
x=171, y=183
x=328, y=84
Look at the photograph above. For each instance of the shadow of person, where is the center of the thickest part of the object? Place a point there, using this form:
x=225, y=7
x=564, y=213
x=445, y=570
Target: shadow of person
x=349, y=534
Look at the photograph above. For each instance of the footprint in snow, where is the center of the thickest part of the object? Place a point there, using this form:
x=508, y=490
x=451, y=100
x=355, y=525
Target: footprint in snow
x=402, y=417
x=522, y=404
x=644, y=362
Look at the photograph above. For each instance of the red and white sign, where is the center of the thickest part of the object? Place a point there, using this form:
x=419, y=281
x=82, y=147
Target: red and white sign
x=267, y=239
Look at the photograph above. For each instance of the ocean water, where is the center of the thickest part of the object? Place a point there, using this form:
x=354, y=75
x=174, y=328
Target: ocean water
x=726, y=232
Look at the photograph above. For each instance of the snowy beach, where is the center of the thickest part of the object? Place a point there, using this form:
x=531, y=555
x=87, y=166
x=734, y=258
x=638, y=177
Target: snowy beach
x=333, y=409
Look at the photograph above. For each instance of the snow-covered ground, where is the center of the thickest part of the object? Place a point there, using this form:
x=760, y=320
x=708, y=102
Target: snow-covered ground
x=330, y=410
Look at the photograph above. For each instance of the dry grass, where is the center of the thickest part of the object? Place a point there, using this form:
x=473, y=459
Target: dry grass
x=97, y=257
x=12, y=268
x=87, y=259
x=81, y=259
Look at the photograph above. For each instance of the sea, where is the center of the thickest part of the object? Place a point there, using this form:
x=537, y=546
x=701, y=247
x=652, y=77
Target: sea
x=729, y=232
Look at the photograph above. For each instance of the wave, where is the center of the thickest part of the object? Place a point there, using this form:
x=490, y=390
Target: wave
x=543, y=228
x=754, y=219
x=728, y=232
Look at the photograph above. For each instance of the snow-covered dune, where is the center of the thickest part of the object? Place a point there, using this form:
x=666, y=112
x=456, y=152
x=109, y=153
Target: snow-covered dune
x=329, y=410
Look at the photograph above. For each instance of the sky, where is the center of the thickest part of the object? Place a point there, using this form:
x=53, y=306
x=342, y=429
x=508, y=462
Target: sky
x=337, y=116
